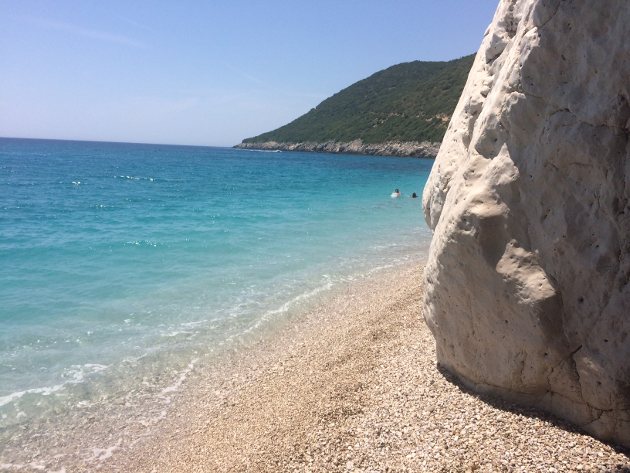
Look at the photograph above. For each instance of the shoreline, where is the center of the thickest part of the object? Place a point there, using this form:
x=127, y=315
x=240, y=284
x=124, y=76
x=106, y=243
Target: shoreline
x=350, y=386
x=406, y=149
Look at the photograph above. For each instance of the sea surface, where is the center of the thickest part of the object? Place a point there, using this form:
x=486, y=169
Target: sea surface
x=124, y=265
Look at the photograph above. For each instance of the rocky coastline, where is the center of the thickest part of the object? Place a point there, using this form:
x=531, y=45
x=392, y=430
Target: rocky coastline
x=406, y=149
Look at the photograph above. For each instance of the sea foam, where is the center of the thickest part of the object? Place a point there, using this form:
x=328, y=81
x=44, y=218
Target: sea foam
x=124, y=263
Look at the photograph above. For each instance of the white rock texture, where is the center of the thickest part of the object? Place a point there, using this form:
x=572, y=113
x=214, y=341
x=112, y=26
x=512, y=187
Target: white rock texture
x=527, y=283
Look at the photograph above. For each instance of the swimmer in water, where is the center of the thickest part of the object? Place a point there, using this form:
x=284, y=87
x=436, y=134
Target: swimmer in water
x=414, y=196
x=396, y=193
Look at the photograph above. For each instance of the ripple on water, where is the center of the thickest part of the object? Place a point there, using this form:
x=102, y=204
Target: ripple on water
x=124, y=263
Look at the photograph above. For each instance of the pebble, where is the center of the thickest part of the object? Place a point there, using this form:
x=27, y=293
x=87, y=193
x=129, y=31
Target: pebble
x=352, y=386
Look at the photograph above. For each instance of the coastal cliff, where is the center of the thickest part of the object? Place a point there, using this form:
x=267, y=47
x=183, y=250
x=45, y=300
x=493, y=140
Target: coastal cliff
x=527, y=281
x=400, y=111
x=391, y=148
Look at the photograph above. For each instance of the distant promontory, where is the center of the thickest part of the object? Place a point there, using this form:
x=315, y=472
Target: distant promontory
x=401, y=111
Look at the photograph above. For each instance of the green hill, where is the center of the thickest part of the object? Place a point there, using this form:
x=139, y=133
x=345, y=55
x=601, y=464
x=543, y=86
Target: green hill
x=412, y=101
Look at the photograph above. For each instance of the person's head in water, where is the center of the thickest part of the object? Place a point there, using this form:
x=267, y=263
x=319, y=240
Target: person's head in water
x=396, y=191
x=413, y=196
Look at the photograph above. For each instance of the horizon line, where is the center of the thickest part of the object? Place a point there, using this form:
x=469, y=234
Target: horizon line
x=113, y=142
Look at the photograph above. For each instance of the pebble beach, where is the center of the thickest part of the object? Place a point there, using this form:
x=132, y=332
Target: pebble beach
x=351, y=386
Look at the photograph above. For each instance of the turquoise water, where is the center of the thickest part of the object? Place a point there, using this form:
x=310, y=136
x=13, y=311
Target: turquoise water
x=121, y=260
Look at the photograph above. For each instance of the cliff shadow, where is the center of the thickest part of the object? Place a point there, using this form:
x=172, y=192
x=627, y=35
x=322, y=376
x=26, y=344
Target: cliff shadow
x=532, y=412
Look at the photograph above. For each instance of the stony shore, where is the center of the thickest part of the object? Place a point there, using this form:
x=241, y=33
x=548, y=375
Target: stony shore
x=410, y=149
x=351, y=386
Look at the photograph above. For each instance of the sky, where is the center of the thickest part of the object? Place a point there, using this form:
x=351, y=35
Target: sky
x=207, y=73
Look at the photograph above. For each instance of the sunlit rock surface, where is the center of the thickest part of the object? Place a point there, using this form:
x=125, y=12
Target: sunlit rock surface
x=527, y=283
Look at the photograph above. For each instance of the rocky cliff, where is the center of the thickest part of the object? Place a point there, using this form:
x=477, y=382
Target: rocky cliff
x=411, y=149
x=412, y=101
x=527, y=283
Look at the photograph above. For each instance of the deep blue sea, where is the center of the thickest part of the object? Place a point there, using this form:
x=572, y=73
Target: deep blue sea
x=120, y=262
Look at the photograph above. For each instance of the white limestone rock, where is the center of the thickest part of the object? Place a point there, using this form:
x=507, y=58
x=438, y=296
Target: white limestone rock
x=527, y=283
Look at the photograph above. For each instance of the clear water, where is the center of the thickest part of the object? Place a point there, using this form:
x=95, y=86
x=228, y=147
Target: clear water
x=118, y=261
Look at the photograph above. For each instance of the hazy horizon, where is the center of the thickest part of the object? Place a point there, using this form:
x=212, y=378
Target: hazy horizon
x=113, y=142
x=205, y=74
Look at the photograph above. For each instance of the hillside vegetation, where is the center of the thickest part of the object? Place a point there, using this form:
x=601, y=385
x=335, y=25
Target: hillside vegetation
x=412, y=101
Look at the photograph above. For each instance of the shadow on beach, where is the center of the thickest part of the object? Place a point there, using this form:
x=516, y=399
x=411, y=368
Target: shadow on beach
x=529, y=412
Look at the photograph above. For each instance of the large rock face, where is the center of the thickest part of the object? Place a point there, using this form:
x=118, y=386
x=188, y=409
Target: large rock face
x=527, y=283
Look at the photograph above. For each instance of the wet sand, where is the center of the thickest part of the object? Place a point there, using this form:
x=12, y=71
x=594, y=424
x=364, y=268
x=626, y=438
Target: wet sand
x=350, y=386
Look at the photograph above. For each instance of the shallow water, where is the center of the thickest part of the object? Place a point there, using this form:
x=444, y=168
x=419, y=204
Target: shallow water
x=122, y=264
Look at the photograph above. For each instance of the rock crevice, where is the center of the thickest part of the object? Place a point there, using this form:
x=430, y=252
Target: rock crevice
x=527, y=288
